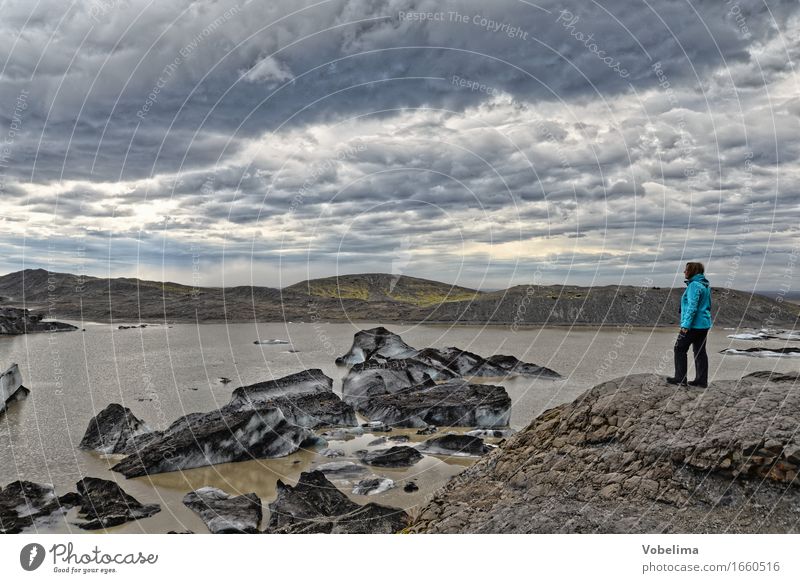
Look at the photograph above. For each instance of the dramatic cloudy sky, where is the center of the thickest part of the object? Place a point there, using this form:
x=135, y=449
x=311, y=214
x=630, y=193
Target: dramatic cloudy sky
x=490, y=144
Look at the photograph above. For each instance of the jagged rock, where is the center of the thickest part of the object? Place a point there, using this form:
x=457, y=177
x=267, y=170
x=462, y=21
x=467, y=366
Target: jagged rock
x=454, y=445
x=377, y=427
x=468, y=364
x=329, y=452
x=23, y=503
x=15, y=321
x=428, y=430
x=11, y=388
x=638, y=455
x=269, y=419
x=455, y=403
x=104, y=504
x=306, y=399
x=379, y=441
x=223, y=513
x=495, y=433
x=400, y=438
x=343, y=433
x=225, y=435
x=371, y=486
x=113, y=430
x=783, y=351
x=410, y=487
x=390, y=363
x=379, y=376
x=342, y=469
x=315, y=505
x=767, y=334
x=394, y=457
x=393, y=383
x=375, y=342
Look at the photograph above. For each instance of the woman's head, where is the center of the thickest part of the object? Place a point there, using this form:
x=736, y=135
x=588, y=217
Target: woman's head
x=693, y=268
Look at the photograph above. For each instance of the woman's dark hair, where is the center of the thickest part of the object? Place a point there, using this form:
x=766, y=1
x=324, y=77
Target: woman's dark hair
x=694, y=268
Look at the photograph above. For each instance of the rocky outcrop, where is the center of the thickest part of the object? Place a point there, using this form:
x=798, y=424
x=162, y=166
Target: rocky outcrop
x=113, y=430
x=393, y=383
x=375, y=342
x=306, y=399
x=468, y=364
x=385, y=357
x=101, y=504
x=766, y=334
x=269, y=419
x=453, y=403
x=223, y=513
x=381, y=376
x=398, y=456
x=764, y=352
x=342, y=469
x=315, y=505
x=639, y=455
x=20, y=321
x=453, y=444
x=491, y=433
x=104, y=504
x=11, y=388
x=372, y=486
x=23, y=503
x=225, y=435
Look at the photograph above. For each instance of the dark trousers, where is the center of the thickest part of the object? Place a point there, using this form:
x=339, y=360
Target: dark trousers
x=696, y=338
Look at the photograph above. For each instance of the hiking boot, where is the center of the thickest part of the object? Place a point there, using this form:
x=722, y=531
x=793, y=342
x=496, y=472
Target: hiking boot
x=674, y=381
x=698, y=384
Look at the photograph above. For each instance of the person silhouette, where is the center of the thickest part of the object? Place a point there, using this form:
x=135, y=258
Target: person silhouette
x=695, y=324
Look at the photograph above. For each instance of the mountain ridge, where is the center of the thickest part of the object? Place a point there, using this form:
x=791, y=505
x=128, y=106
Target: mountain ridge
x=374, y=297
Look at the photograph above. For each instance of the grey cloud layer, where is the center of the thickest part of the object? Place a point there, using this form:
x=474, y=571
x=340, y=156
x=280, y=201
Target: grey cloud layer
x=223, y=124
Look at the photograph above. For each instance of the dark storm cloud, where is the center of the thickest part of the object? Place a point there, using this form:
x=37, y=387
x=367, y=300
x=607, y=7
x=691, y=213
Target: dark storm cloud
x=139, y=74
x=189, y=125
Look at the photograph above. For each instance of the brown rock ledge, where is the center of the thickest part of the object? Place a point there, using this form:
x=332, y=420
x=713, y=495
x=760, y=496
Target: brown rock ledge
x=638, y=455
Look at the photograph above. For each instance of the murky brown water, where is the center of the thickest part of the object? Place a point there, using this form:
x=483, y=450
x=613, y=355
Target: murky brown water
x=164, y=372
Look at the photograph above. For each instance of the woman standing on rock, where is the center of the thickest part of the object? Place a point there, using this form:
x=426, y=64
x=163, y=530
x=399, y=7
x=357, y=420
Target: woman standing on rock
x=695, y=323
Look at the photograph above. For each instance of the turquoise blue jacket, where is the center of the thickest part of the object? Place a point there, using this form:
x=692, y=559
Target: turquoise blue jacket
x=696, y=303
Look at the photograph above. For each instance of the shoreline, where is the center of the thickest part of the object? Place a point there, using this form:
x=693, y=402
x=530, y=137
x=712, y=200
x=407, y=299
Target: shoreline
x=388, y=322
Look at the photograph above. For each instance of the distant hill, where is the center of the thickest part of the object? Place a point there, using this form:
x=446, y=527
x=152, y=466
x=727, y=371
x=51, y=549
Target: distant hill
x=375, y=297
x=383, y=287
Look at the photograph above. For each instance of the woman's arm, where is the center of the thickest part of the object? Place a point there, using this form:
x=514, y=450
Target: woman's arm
x=693, y=293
